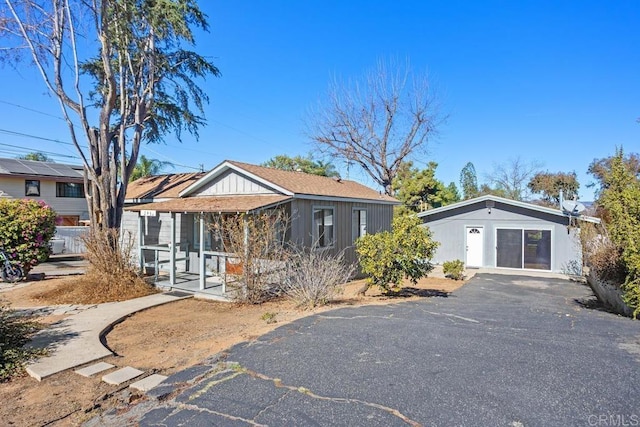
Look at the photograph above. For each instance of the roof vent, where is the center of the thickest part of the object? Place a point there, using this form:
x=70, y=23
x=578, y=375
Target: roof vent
x=337, y=179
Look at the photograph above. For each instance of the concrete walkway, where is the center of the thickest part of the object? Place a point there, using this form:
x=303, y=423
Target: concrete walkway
x=76, y=340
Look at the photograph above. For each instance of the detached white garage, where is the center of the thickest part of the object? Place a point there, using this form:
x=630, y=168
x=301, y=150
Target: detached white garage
x=494, y=232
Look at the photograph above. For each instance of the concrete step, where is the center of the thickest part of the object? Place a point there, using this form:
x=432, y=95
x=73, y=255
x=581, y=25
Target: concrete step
x=122, y=375
x=149, y=382
x=94, y=369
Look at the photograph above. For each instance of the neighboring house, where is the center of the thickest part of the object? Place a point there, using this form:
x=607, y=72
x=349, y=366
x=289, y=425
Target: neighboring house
x=166, y=211
x=58, y=185
x=494, y=232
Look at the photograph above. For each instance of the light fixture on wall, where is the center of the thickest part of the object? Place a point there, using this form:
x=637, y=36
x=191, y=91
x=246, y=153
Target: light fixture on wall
x=490, y=204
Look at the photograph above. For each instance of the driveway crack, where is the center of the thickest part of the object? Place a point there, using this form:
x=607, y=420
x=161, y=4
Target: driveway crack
x=221, y=414
x=303, y=390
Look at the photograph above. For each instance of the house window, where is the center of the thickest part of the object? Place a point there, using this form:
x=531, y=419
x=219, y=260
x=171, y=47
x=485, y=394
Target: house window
x=32, y=187
x=323, y=230
x=69, y=189
x=358, y=223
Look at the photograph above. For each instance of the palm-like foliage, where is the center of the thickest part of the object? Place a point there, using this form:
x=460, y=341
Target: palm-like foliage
x=148, y=167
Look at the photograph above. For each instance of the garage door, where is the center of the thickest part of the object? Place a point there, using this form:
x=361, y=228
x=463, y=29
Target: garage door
x=523, y=248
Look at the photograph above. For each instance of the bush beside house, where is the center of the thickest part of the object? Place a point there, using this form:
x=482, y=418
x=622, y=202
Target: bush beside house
x=26, y=226
x=614, y=254
x=390, y=257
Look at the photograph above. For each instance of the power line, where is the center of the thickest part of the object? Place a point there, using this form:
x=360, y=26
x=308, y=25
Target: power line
x=42, y=138
x=49, y=153
x=31, y=109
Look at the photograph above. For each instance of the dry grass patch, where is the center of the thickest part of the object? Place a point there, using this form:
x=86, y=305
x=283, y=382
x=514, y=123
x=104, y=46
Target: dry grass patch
x=92, y=288
x=111, y=274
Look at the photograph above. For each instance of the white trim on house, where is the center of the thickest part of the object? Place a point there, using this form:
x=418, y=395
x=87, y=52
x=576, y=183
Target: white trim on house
x=517, y=203
x=343, y=199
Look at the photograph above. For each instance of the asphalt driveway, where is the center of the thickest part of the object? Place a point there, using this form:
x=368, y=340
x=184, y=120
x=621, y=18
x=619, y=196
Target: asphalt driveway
x=501, y=351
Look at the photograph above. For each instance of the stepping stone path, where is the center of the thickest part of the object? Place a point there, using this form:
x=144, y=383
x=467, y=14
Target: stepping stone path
x=94, y=369
x=122, y=375
x=148, y=383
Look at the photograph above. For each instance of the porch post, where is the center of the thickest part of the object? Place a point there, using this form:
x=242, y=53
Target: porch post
x=140, y=243
x=172, y=251
x=203, y=264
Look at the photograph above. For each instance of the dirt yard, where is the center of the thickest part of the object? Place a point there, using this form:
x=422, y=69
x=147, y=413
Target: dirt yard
x=164, y=340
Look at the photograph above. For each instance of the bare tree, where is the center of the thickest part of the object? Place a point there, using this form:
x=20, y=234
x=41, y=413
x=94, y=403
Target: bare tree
x=511, y=178
x=378, y=121
x=135, y=83
x=257, y=244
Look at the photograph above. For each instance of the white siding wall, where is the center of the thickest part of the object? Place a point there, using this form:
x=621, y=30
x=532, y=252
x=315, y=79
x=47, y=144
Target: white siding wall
x=15, y=187
x=231, y=183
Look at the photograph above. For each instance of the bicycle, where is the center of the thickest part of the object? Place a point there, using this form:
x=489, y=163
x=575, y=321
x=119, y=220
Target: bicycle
x=10, y=272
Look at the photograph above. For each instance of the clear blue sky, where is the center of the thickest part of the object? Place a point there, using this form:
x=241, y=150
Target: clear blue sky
x=552, y=82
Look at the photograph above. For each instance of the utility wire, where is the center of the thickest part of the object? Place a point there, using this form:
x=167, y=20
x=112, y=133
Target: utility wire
x=49, y=153
x=31, y=109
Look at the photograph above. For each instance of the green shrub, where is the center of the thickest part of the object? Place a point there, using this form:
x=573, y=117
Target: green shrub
x=15, y=332
x=619, y=201
x=26, y=226
x=453, y=269
x=389, y=257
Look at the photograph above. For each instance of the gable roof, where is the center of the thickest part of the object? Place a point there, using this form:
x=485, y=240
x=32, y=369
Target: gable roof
x=160, y=186
x=496, y=199
x=36, y=169
x=297, y=184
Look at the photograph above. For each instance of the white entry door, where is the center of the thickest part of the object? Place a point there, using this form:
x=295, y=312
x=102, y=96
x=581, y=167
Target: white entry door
x=475, y=246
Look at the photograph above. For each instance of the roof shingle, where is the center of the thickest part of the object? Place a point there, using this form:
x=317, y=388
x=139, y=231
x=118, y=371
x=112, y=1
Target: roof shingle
x=161, y=186
x=301, y=183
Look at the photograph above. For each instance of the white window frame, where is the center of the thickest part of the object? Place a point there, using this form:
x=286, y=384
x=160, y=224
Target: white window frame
x=356, y=223
x=314, y=231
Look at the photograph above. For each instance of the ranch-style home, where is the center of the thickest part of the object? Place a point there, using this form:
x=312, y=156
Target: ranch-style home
x=168, y=216
x=494, y=232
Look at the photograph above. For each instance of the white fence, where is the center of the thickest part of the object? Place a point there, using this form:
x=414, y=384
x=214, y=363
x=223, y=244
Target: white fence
x=71, y=236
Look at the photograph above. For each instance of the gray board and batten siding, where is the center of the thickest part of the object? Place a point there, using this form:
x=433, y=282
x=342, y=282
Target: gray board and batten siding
x=379, y=218
x=458, y=228
x=156, y=229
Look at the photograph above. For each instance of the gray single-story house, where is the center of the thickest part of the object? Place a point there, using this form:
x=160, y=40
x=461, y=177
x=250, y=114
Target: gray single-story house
x=174, y=211
x=494, y=232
